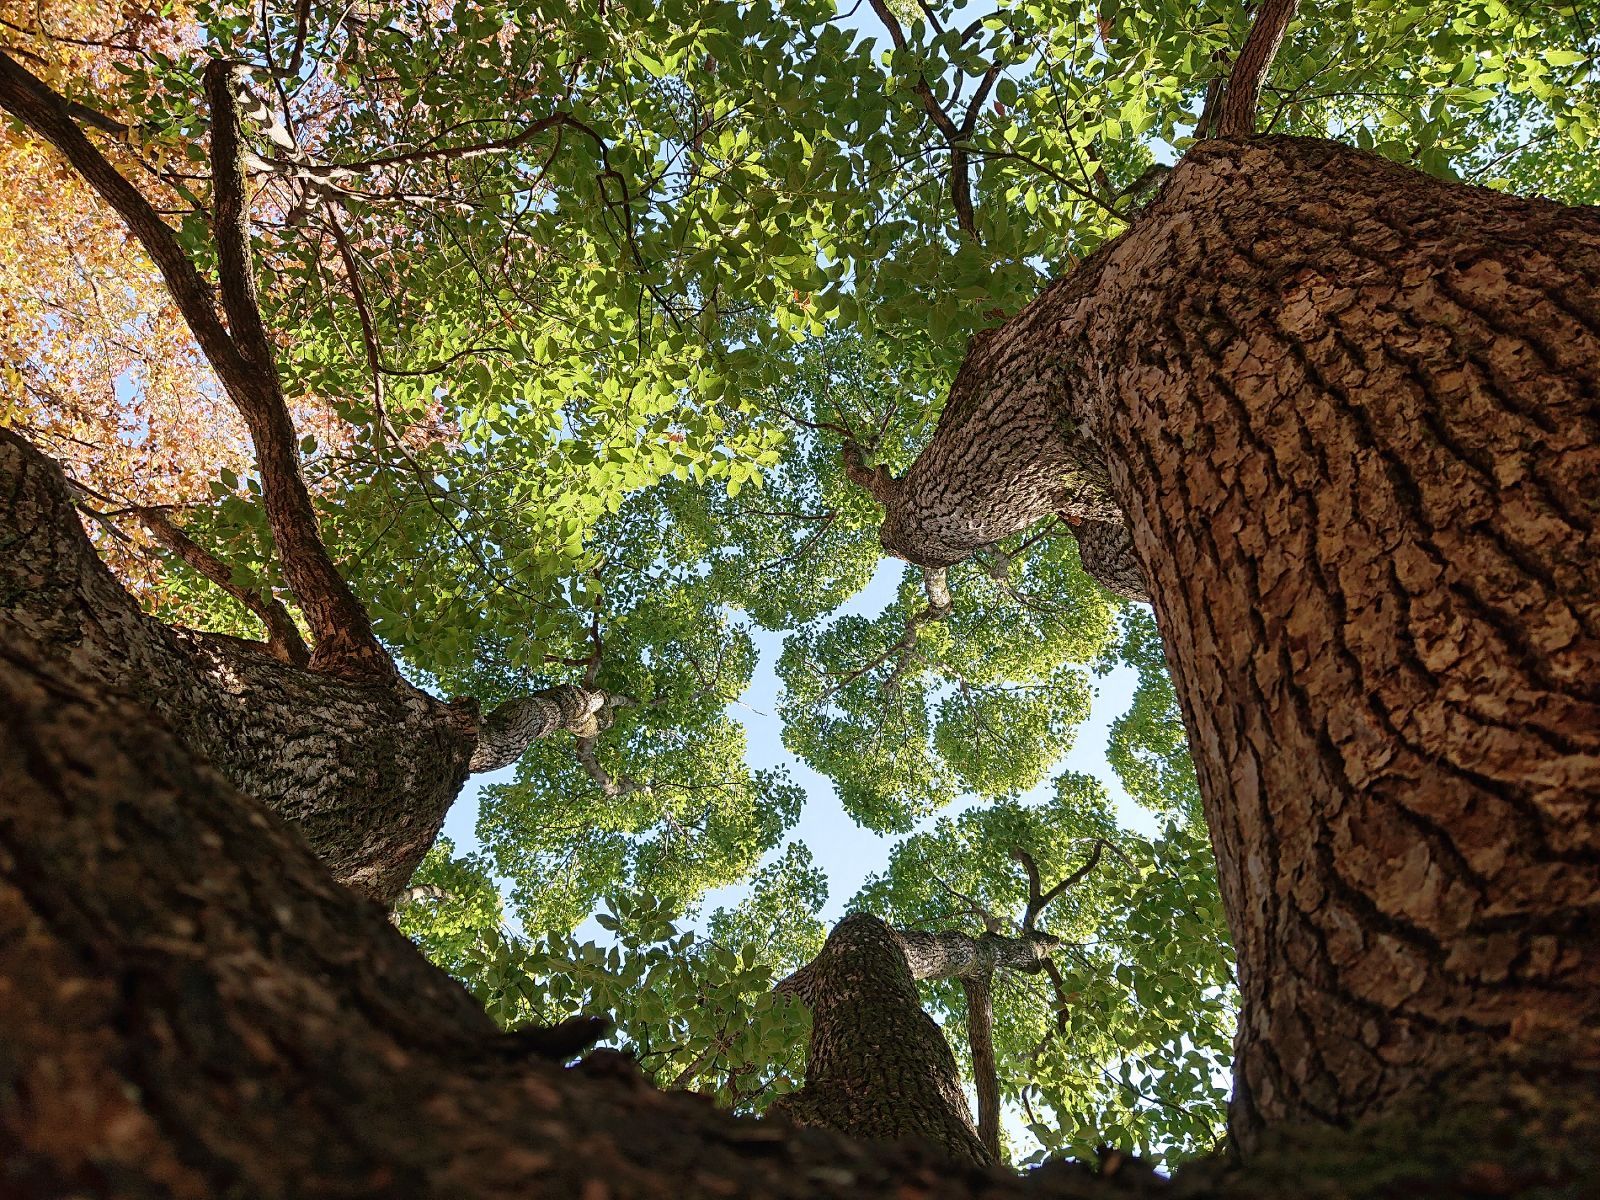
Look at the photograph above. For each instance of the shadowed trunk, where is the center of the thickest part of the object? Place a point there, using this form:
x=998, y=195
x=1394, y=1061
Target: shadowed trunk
x=192, y=1008
x=1352, y=415
x=878, y=1066
x=366, y=768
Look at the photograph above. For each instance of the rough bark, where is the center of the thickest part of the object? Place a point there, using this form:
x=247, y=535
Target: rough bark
x=1237, y=116
x=1362, y=468
x=1107, y=554
x=878, y=1066
x=1001, y=458
x=1006, y=454
x=192, y=1008
x=951, y=954
x=1352, y=415
x=366, y=768
x=512, y=727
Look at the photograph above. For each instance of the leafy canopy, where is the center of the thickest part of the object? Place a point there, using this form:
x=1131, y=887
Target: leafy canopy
x=577, y=306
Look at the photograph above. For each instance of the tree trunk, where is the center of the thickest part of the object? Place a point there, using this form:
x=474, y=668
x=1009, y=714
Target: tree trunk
x=192, y=1008
x=1352, y=415
x=878, y=1066
x=366, y=769
x=979, y=993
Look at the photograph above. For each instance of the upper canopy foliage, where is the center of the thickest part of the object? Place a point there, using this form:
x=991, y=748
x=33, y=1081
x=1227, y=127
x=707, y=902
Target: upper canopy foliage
x=579, y=307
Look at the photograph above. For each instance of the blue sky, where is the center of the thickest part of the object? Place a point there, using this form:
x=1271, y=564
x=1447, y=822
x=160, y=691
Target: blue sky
x=844, y=850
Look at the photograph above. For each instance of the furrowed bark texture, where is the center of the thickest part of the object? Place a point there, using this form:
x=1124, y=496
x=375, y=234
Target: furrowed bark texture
x=878, y=1066
x=1352, y=415
x=367, y=770
x=512, y=727
x=193, y=1009
x=1003, y=456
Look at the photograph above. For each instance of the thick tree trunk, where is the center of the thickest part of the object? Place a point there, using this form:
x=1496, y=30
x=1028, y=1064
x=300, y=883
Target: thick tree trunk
x=878, y=1066
x=366, y=768
x=192, y=1008
x=1353, y=417
x=1004, y=454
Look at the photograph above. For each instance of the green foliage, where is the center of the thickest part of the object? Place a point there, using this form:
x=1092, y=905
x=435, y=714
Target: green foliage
x=620, y=350
x=1148, y=746
x=904, y=710
x=464, y=911
x=698, y=1013
x=780, y=913
x=1131, y=1046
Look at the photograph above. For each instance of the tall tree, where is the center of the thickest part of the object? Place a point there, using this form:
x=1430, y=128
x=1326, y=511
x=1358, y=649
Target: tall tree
x=1348, y=414
x=1395, y=732
x=1121, y=1034
x=362, y=760
x=192, y=1005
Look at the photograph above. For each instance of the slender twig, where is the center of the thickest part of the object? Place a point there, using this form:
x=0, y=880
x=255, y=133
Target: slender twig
x=283, y=636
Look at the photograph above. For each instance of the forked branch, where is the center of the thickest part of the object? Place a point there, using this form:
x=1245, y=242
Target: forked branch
x=283, y=636
x=1039, y=900
x=240, y=355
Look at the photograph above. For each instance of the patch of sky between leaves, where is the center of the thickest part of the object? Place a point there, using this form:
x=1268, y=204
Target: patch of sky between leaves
x=845, y=851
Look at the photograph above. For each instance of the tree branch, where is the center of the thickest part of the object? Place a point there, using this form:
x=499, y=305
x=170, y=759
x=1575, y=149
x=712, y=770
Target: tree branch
x=421, y=891
x=345, y=643
x=508, y=730
x=876, y=481
x=1237, y=116
x=230, y=221
x=283, y=636
x=609, y=785
x=991, y=923
x=935, y=584
x=33, y=103
x=1039, y=900
x=960, y=178
x=985, y=1076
